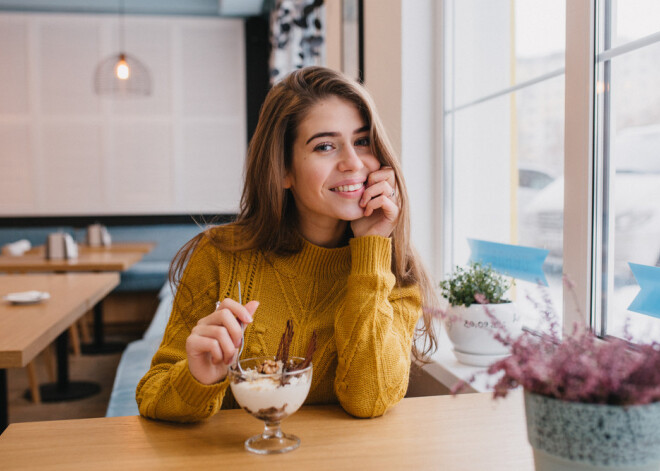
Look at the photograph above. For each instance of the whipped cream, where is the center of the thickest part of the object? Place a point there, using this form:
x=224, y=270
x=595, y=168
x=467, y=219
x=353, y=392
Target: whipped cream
x=265, y=397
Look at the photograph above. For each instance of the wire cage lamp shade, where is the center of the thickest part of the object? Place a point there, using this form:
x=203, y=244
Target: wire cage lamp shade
x=122, y=74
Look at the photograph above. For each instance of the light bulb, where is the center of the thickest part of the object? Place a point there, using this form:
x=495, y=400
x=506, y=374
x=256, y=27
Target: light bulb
x=121, y=69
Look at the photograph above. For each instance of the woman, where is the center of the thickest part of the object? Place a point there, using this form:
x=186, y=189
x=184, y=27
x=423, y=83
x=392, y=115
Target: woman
x=322, y=238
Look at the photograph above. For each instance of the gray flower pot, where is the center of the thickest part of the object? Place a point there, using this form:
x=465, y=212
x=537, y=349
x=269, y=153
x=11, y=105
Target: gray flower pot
x=578, y=436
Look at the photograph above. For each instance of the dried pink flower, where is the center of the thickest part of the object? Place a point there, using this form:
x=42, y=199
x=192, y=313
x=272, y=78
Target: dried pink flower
x=580, y=367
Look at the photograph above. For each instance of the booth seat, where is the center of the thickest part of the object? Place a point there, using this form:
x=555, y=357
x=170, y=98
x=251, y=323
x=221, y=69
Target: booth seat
x=36, y=235
x=151, y=272
x=147, y=275
x=136, y=360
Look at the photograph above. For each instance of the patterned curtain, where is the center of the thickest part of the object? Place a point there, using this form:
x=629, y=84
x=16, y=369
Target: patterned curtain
x=297, y=36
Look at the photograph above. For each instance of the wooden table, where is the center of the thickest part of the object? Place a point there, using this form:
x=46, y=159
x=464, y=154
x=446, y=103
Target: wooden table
x=25, y=330
x=86, y=261
x=469, y=432
x=143, y=247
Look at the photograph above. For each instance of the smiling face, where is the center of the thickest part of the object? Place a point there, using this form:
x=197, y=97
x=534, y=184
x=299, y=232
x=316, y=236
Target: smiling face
x=331, y=161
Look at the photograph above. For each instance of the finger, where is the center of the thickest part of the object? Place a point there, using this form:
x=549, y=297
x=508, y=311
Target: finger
x=252, y=307
x=380, y=188
x=390, y=209
x=222, y=316
x=198, y=345
x=382, y=174
x=225, y=319
x=238, y=309
x=221, y=336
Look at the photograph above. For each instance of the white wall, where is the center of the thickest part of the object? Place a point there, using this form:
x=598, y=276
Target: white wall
x=66, y=151
x=418, y=122
x=400, y=74
x=382, y=62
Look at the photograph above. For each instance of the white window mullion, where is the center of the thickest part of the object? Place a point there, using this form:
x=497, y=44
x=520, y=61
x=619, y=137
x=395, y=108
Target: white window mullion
x=578, y=162
x=443, y=198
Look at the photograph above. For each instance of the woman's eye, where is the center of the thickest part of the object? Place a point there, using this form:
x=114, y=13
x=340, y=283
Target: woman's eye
x=323, y=147
x=363, y=141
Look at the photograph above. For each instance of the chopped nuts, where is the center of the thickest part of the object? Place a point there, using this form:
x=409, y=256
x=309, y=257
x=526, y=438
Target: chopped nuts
x=269, y=367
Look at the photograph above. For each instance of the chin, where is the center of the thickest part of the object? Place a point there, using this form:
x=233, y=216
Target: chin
x=352, y=217
x=351, y=214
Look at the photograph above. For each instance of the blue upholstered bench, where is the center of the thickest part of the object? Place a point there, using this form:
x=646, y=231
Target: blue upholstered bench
x=136, y=360
x=151, y=272
x=147, y=275
x=36, y=235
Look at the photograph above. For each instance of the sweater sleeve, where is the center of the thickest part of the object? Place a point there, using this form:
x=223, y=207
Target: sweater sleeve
x=169, y=391
x=374, y=331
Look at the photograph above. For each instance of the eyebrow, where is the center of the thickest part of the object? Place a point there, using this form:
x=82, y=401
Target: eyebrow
x=335, y=134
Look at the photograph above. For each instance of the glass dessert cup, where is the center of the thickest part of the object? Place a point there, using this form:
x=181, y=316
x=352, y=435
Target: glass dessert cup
x=271, y=398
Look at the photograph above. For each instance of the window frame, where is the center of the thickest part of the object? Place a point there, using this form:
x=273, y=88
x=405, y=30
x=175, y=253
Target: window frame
x=580, y=265
x=579, y=262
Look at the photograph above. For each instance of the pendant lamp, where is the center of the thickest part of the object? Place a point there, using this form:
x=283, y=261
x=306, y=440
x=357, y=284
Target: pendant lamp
x=122, y=74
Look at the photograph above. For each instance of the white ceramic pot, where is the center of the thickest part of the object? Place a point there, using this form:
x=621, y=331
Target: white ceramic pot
x=574, y=436
x=472, y=331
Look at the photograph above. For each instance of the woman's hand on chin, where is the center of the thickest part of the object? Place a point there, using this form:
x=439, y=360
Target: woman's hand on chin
x=380, y=203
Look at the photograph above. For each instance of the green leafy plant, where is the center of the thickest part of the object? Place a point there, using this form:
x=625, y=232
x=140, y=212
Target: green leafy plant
x=475, y=279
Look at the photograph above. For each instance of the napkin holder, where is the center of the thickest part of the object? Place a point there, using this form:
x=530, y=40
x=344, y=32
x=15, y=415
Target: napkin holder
x=16, y=249
x=98, y=236
x=61, y=246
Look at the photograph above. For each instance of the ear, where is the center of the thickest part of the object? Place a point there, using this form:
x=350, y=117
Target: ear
x=286, y=182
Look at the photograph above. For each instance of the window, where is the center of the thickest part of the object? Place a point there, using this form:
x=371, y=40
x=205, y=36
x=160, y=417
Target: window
x=628, y=158
x=551, y=127
x=504, y=131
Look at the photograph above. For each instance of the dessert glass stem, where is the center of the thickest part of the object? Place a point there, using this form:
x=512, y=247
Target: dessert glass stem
x=272, y=430
x=272, y=440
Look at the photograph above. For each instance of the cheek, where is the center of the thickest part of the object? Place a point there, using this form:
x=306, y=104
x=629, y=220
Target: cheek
x=311, y=176
x=371, y=162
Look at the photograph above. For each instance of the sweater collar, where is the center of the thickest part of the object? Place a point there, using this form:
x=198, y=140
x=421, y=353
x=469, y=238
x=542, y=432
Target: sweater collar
x=315, y=260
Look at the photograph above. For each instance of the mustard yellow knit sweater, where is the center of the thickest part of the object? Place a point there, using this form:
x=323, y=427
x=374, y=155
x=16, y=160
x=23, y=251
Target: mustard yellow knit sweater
x=363, y=322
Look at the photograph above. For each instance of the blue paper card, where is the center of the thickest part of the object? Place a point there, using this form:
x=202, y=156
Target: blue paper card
x=647, y=300
x=523, y=263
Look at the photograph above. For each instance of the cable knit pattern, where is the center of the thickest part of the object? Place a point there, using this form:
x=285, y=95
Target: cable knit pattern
x=363, y=322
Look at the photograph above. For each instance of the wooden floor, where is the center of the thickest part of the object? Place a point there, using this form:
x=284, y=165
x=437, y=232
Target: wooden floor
x=97, y=368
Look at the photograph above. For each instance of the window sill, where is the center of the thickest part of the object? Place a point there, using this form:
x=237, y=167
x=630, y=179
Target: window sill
x=445, y=368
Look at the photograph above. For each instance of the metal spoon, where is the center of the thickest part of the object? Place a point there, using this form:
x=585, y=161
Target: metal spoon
x=240, y=300
x=236, y=360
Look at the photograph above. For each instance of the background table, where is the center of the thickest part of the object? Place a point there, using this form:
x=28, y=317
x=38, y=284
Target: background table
x=86, y=261
x=25, y=330
x=92, y=261
x=469, y=432
x=140, y=247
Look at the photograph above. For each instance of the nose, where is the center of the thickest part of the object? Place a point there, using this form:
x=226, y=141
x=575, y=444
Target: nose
x=349, y=161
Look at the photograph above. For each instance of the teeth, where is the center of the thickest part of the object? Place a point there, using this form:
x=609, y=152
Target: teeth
x=357, y=186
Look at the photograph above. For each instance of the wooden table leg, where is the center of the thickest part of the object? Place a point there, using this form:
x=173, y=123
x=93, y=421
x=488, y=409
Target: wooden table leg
x=34, y=382
x=100, y=346
x=63, y=389
x=4, y=401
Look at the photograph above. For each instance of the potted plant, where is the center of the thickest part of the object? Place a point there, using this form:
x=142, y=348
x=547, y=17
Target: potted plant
x=590, y=404
x=477, y=308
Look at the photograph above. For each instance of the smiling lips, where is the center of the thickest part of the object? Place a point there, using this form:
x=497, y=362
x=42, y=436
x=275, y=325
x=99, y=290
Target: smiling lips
x=348, y=188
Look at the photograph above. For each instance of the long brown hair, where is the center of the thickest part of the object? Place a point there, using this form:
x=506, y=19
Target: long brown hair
x=267, y=219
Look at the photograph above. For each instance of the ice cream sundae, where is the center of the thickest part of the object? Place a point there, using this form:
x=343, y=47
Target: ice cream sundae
x=268, y=391
x=271, y=389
